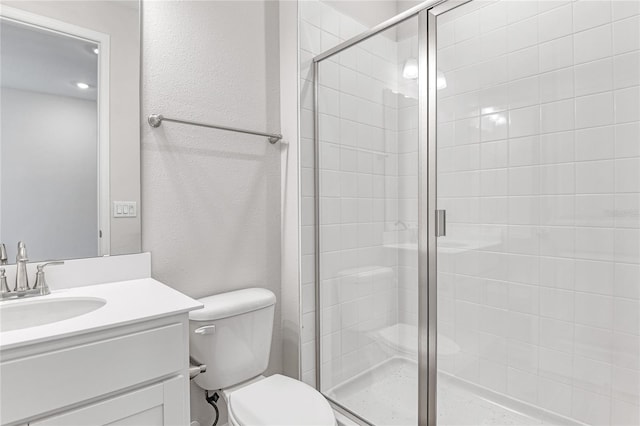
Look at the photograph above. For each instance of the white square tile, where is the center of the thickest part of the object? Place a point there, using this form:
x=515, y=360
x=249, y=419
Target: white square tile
x=558, y=179
x=626, y=35
x=595, y=177
x=524, y=122
x=493, y=72
x=626, y=385
x=594, y=210
x=557, y=116
x=626, y=351
x=555, y=365
x=557, y=335
x=523, y=93
x=557, y=210
x=594, y=244
x=626, y=316
x=594, y=343
x=467, y=26
x=594, y=110
x=494, y=99
x=493, y=126
x=524, y=210
x=592, y=44
x=594, y=277
x=590, y=407
x=625, y=207
x=493, y=16
x=627, y=245
x=594, y=376
x=594, y=310
x=523, y=63
x=627, y=175
x=624, y=413
x=627, y=104
x=554, y=396
x=523, y=386
x=595, y=143
x=626, y=70
x=493, y=155
x=522, y=34
x=557, y=147
x=624, y=8
x=522, y=356
x=524, y=151
x=626, y=140
x=555, y=23
x=557, y=273
x=557, y=304
x=524, y=181
x=556, y=85
x=589, y=13
x=556, y=54
x=494, y=43
x=521, y=9
x=594, y=77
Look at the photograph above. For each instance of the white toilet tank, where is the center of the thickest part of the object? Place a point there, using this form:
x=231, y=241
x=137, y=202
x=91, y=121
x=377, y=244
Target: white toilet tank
x=231, y=335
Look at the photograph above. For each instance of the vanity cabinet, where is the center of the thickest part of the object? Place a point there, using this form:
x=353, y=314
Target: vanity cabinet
x=154, y=405
x=129, y=375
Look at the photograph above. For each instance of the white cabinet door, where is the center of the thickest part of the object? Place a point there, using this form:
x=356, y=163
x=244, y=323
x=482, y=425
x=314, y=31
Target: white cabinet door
x=156, y=405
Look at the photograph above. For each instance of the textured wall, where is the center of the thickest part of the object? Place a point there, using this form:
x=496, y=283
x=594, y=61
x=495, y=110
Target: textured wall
x=211, y=199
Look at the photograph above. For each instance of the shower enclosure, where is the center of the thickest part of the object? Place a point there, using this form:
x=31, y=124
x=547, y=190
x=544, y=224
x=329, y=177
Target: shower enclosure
x=477, y=214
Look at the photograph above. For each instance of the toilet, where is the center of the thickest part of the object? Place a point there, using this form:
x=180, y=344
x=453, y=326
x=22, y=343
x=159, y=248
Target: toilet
x=231, y=335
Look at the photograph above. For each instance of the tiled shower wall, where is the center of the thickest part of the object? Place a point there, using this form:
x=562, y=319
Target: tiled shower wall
x=364, y=117
x=539, y=170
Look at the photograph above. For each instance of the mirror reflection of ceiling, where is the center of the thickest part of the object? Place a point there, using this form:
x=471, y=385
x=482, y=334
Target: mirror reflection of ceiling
x=47, y=62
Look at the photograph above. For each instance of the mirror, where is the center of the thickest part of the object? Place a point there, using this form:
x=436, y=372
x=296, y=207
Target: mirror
x=69, y=128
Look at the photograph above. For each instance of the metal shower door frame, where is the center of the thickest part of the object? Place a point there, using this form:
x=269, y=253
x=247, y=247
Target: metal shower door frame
x=427, y=14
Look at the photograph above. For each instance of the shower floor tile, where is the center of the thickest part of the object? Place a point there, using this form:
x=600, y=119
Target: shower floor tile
x=387, y=395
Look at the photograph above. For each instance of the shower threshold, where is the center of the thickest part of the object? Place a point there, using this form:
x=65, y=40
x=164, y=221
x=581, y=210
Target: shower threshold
x=387, y=394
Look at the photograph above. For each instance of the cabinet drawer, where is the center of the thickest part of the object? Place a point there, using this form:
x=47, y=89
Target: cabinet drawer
x=49, y=381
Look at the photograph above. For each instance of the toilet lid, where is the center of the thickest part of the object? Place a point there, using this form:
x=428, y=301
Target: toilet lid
x=280, y=400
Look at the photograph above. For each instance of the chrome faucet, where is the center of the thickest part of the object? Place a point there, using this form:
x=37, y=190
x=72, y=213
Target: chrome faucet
x=22, y=279
x=21, y=289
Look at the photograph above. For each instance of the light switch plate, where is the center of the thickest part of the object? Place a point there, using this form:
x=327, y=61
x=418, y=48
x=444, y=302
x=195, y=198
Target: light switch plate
x=125, y=209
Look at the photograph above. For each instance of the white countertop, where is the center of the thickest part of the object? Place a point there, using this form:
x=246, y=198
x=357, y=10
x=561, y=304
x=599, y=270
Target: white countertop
x=127, y=302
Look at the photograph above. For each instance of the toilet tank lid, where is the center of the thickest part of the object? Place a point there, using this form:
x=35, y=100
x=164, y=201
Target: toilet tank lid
x=233, y=303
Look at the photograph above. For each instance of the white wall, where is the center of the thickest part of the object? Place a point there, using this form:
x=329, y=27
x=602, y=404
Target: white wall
x=43, y=137
x=539, y=170
x=120, y=20
x=211, y=199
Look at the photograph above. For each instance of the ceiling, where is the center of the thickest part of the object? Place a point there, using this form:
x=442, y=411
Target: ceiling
x=44, y=61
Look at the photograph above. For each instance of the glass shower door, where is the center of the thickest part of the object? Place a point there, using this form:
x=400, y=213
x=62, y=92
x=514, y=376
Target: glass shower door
x=538, y=140
x=367, y=269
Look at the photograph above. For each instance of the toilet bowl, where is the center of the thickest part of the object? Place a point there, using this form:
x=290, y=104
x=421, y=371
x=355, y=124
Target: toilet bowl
x=231, y=335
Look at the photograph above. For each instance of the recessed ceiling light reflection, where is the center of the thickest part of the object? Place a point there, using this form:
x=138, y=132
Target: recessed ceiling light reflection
x=96, y=50
x=81, y=85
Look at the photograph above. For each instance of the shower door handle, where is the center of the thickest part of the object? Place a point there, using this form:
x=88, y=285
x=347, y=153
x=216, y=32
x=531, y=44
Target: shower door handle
x=441, y=223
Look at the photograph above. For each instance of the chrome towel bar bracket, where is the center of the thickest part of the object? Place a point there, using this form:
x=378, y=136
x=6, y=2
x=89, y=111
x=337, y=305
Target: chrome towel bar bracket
x=155, y=120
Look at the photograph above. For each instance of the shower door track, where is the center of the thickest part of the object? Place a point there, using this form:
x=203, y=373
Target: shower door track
x=427, y=13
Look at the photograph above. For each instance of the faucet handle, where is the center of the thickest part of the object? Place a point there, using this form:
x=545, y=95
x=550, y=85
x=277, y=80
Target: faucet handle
x=4, y=287
x=41, y=283
x=4, y=259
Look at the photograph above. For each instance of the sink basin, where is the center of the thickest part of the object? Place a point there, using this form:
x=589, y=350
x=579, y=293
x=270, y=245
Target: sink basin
x=31, y=313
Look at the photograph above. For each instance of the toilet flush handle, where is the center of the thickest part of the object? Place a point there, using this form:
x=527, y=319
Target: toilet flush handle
x=207, y=329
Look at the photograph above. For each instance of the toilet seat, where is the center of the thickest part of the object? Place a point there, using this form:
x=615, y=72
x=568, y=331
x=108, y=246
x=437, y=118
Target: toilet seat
x=279, y=400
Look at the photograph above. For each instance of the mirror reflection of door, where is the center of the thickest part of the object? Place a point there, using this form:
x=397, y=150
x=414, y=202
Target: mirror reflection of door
x=49, y=142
